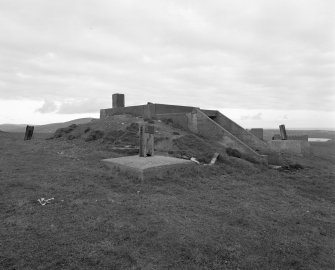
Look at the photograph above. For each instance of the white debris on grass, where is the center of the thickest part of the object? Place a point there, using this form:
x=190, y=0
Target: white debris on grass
x=44, y=201
x=214, y=158
x=194, y=160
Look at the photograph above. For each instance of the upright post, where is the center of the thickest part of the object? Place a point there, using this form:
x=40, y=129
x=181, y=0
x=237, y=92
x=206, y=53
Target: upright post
x=283, y=134
x=150, y=130
x=143, y=149
x=146, y=140
x=29, y=133
x=118, y=100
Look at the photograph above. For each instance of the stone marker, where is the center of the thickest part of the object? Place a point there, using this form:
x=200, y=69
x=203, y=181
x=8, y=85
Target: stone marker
x=283, y=134
x=146, y=140
x=29, y=133
x=118, y=100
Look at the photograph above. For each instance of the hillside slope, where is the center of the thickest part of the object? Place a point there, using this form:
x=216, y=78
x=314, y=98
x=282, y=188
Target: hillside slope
x=233, y=215
x=48, y=128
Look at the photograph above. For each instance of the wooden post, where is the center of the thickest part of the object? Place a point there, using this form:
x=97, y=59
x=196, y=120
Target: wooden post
x=283, y=134
x=29, y=133
x=143, y=149
x=146, y=140
x=150, y=142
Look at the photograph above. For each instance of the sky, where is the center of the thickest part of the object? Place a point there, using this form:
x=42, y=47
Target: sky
x=262, y=63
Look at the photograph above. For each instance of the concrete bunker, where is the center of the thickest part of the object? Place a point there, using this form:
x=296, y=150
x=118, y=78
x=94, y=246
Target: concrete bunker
x=210, y=124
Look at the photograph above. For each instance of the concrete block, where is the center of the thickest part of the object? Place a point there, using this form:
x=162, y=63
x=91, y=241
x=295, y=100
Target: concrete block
x=297, y=147
x=258, y=132
x=298, y=137
x=145, y=168
x=118, y=100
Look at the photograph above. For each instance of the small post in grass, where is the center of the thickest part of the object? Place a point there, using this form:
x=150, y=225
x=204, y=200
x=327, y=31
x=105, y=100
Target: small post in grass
x=283, y=134
x=29, y=133
x=146, y=140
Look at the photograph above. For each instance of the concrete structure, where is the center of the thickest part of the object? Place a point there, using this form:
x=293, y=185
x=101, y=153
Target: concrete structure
x=297, y=147
x=298, y=137
x=149, y=167
x=118, y=100
x=292, y=137
x=210, y=124
x=258, y=132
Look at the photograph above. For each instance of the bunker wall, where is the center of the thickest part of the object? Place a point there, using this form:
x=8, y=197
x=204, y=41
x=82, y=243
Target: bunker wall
x=239, y=132
x=210, y=129
x=163, y=109
x=297, y=147
x=133, y=110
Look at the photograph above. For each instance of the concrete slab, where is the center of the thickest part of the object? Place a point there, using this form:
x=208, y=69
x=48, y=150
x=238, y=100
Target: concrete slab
x=145, y=168
x=301, y=148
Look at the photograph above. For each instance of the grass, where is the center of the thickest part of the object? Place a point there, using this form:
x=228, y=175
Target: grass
x=235, y=215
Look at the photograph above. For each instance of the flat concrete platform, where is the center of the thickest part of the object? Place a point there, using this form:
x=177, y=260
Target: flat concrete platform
x=145, y=168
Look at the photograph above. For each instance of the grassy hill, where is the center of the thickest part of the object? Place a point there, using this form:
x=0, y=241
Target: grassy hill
x=48, y=128
x=233, y=215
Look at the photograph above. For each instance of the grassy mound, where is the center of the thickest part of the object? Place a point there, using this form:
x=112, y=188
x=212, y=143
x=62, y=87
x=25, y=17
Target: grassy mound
x=121, y=133
x=190, y=145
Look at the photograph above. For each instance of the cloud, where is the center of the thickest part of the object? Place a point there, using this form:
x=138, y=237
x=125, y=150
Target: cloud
x=257, y=116
x=236, y=54
x=84, y=106
x=47, y=107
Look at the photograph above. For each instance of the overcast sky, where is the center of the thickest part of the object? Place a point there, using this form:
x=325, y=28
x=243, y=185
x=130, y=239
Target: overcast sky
x=261, y=63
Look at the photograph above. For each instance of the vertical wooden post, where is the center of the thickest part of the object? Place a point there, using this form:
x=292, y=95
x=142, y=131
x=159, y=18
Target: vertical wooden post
x=150, y=142
x=283, y=134
x=146, y=140
x=143, y=150
x=29, y=133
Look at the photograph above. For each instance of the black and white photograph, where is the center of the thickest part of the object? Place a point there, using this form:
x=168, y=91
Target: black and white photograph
x=167, y=134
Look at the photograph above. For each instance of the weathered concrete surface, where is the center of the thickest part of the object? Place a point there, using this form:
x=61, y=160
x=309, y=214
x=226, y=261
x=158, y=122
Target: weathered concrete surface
x=292, y=137
x=208, y=123
x=209, y=128
x=298, y=137
x=242, y=134
x=148, y=167
x=147, y=111
x=118, y=100
x=297, y=147
x=132, y=110
x=210, y=113
x=258, y=132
